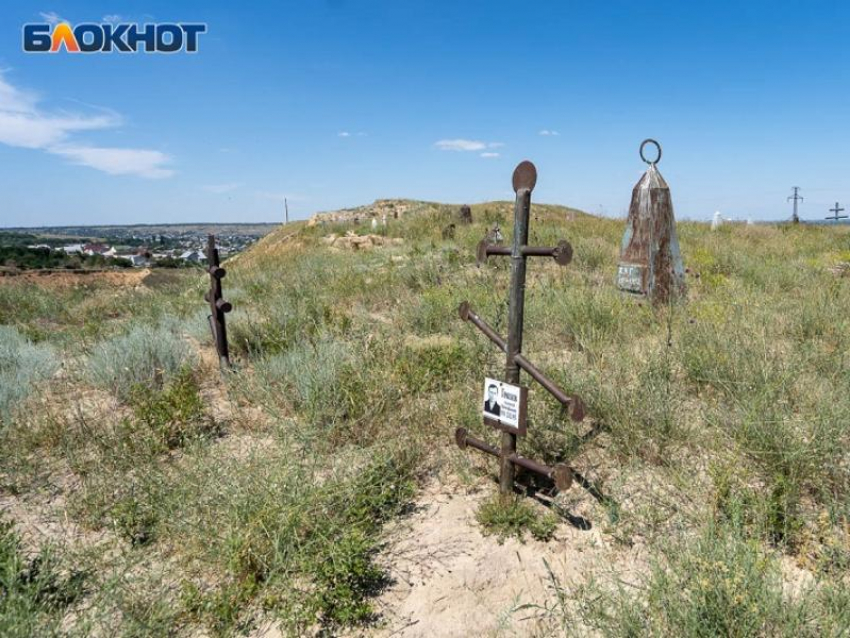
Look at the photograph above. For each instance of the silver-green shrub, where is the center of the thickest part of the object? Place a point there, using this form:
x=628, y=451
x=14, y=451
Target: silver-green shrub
x=145, y=354
x=22, y=365
x=310, y=376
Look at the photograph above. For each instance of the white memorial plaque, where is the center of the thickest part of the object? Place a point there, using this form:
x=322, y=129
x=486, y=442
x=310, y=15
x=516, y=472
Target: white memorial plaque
x=630, y=277
x=504, y=405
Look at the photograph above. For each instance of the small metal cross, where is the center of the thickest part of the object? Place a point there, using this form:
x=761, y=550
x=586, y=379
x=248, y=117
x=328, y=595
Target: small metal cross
x=835, y=211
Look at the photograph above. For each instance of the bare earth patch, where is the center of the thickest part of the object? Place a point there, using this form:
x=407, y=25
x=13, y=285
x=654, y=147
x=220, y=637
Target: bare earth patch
x=73, y=278
x=451, y=580
x=42, y=518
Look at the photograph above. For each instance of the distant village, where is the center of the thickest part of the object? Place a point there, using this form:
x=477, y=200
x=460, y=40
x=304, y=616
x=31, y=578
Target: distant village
x=149, y=250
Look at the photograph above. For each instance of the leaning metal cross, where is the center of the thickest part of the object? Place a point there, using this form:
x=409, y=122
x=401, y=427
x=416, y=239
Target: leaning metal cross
x=524, y=180
x=835, y=212
x=218, y=306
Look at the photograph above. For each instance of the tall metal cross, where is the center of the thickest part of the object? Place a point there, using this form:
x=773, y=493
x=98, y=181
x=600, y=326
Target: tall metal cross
x=218, y=306
x=524, y=180
x=835, y=211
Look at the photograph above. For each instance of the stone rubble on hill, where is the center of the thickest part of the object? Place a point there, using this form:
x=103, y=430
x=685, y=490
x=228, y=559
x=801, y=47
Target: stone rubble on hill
x=380, y=209
x=353, y=241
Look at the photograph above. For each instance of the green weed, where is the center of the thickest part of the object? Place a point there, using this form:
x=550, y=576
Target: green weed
x=174, y=415
x=513, y=517
x=34, y=593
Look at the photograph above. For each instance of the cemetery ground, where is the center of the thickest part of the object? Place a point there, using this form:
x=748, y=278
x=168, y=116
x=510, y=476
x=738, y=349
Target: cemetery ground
x=317, y=489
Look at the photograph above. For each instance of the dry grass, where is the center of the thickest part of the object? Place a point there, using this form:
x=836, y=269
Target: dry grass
x=737, y=403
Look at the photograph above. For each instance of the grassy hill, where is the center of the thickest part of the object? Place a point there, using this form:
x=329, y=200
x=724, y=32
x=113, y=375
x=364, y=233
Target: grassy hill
x=148, y=495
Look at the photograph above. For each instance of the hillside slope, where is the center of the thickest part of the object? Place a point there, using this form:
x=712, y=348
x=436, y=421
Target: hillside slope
x=318, y=487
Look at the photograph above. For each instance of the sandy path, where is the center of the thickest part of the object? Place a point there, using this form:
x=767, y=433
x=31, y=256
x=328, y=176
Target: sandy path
x=451, y=580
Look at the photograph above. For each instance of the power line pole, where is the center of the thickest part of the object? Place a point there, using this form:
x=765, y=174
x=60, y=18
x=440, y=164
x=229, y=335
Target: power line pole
x=286, y=206
x=835, y=211
x=796, y=197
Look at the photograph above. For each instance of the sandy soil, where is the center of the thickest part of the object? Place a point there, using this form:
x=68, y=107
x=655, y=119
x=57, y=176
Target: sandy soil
x=71, y=278
x=42, y=519
x=448, y=579
x=451, y=580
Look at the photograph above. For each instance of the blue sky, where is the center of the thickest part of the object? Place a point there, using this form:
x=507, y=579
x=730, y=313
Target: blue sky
x=338, y=102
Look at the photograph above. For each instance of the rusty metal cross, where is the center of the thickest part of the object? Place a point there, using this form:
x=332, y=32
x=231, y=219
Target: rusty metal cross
x=524, y=180
x=218, y=306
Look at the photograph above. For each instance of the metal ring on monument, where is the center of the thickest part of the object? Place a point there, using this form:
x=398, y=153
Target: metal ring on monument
x=525, y=176
x=657, y=145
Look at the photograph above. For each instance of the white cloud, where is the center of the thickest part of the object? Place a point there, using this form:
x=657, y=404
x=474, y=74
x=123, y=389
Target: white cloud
x=465, y=145
x=118, y=161
x=344, y=134
x=13, y=99
x=51, y=17
x=24, y=125
x=548, y=132
x=220, y=189
x=113, y=18
x=37, y=130
x=460, y=145
x=489, y=154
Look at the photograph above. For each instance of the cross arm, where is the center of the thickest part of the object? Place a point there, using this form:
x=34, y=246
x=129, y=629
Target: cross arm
x=575, y=405
x=561, y=474
x=562, y=253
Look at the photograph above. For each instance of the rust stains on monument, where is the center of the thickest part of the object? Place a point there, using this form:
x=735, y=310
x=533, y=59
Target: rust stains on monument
x=650, y=259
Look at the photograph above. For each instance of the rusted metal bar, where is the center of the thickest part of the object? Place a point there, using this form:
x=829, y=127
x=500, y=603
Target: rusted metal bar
x=467, y=314
x=561, y=474
x=485, y=250
x=524, y=179
x=562, y=253
x=463, y=440
x=218, y=306
x=574, y=405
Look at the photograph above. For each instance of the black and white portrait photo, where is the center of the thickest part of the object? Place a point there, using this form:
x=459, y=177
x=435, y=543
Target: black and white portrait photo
x=491, y=403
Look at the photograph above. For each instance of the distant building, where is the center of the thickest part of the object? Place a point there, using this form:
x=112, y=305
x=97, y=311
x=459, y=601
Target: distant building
x=72, y=249
x=95, y=249
x=193, y=256
x=138, y=261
